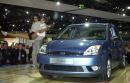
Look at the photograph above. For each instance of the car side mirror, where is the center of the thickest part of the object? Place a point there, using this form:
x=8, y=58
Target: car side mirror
x=54, y=38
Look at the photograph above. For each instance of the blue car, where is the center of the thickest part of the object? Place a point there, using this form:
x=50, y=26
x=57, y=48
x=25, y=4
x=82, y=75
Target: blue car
x=83, y=50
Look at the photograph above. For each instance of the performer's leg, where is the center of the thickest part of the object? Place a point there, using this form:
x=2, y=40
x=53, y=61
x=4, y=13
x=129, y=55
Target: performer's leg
x=36, y=47
x=34, y=53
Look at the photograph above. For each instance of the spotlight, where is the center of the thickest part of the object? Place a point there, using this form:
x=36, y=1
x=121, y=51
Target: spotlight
x=128, y=7
x=43, y=14
x=27, y=12
x=58, y=3
x=6, y=10
x=63, y=24
x=62, y=16
x=13, y=25
x=124, y=15
x=60, y=28
x=123, y=9
x=73, y=18
x=27, y=21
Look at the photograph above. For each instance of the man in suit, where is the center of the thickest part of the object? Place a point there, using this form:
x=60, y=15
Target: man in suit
x=22, y=55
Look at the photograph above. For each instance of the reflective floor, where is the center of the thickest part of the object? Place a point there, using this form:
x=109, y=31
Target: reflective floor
x=26, y=74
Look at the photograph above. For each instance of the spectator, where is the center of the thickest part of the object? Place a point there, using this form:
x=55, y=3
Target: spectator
x=12, y=51
x=30, y=54
x=16, y=53
x=22, y=54
x=13, y=55
x=5, y=54
x=1, y=54
x=128, y=53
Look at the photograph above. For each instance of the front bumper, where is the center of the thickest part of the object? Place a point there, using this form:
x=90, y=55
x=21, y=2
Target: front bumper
x=85, y=63
x=69, y=74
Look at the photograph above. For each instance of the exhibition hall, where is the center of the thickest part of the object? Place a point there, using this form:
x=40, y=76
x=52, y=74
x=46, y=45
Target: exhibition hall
x=64, y=41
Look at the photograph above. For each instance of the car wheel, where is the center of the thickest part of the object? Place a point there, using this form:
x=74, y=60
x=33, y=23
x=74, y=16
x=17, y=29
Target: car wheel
x=106, y=74
x=108, y=69
x=46, y=76
x=123, y=62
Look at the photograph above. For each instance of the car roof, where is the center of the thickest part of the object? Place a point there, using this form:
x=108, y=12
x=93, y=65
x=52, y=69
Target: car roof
x=107, y=24
x=91, y=23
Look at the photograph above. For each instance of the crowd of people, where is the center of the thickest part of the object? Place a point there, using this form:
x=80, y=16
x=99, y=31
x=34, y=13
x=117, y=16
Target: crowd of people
x=127, y=49
x=15, y=54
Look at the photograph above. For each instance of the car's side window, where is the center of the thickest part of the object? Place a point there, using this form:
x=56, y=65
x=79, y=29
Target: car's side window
x=67, y=33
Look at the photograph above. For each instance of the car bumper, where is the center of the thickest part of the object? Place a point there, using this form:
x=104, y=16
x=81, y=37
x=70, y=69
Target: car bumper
x=85, y=63
x=69, y=74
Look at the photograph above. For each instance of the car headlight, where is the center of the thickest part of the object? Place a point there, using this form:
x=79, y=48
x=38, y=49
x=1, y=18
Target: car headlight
x=92, y=50
x=43, y=49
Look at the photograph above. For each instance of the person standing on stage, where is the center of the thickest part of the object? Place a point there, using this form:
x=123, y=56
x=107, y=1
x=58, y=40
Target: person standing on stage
x=40, y=28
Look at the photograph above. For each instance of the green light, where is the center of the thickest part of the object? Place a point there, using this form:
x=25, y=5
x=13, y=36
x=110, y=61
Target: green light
x=82, y=6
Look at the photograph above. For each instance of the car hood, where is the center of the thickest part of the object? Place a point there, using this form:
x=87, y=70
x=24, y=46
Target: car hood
x=72, y=45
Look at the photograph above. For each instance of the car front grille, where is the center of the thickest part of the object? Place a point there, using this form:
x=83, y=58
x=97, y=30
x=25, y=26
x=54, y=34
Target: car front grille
x=64, y=53
x=63, y=68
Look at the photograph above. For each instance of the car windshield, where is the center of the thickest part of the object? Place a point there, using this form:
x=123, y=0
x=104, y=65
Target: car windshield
x=84, y=31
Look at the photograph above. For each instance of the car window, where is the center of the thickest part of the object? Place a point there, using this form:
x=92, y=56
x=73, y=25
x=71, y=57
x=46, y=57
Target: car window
x=91, y=32
x=67, y=33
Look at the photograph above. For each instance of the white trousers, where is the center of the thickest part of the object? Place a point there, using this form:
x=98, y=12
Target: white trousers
x=36, y=46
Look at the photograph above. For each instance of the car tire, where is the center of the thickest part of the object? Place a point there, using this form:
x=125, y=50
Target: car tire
x=107, y=70
x=123, y=62
x=46, y=76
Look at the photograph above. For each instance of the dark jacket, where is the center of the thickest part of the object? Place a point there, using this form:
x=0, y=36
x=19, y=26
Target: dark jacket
x=22, y=56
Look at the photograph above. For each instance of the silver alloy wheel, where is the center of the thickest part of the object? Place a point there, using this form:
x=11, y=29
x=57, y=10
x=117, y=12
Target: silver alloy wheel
x=124, y=61
x=108, y=68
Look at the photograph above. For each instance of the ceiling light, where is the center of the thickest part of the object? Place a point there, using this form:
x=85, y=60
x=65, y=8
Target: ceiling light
x=27, y=12
x=58, y=3
x=73, y=18
x=43, y=14
x=6, y=10
x=123, y=9
x=27, y=21
x=53, y=22
x=13, y=25
x=62, y=16
x=128, y=7
x=124, y=15
x=60, y=28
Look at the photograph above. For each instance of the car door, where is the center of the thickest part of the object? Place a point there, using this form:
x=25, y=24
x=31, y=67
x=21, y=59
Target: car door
x=115, y=46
